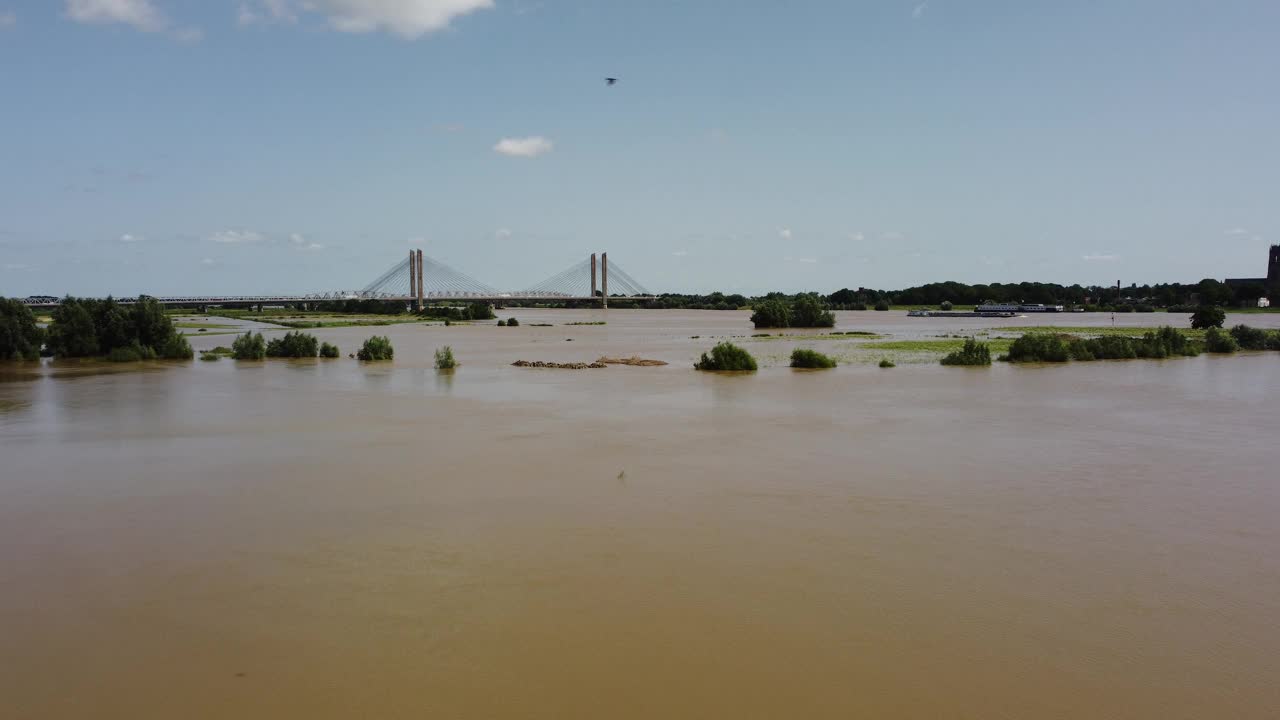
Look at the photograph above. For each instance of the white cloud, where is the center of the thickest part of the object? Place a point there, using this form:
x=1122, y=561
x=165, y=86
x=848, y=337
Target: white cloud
x=1097, y=257
x=8, y=19
x=130, y=238
x=236, y=237
x=264, y=11
x=207, y=261
x=297, y=239
x=857, y=237
x=407, y=18
x=811, y=261
x=785, y=233
x=188, y=35
x=1236, y=231
x=141, y=14
x=16, y=266
x=919, y=10
x=502, y=234
x=527, y=147
x=315, y=246
x=680, y=253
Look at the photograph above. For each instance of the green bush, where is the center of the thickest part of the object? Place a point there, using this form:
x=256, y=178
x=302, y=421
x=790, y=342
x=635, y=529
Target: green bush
x=727, y=357
x=502, y=323
x=175, y=348
x=480, y=311
x=20, y=337
x=1207, y=316
x=210, y=356
x=887, y=363
x=128, y=353
x=1216, y=341
x=946, y=306
x=1249, y=338
x=85, y=328
x=809, y=312
x=249, y=346
x=802, y=358
x=771, y=313
x=973, y=353
x=329, y=351
x=882, y=306
x=444, y=359
x=1037, y=347
x=1273, y=340
x=293, y=345
x=512, y=322
x=858, y=306
x=376, y=348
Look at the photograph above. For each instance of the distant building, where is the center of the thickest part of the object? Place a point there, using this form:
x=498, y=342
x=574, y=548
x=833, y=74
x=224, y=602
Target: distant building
x=1264, y=303
x=1269, y=285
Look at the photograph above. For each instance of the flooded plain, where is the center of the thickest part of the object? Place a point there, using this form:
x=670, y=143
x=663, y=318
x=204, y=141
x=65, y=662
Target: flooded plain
x=331, y=539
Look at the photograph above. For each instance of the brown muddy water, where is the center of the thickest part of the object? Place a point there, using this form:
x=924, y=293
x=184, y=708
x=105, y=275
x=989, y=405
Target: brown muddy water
x=335, y=540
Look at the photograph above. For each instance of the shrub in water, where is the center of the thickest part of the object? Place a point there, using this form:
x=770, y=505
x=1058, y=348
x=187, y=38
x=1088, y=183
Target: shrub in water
x=802, y=358
x=1249, y=338
x=1037, y=347
x=973, y=353
x=887, y=363
x=1217, y=341
x=249, y=346
x=210, y=356
x=293, y=345
x=502, y=323
x=329, y=351
x=809, y=311
x=376, y=348
x=772, y=313
x=480, y=311
x=444, y=359
x=176, y=348
x=946, y=305
x=882, y=306
x=124, y=354
x=858, y=306
x=726, y=356
x=20, y=337
x=512, y=322
x=1208, y=317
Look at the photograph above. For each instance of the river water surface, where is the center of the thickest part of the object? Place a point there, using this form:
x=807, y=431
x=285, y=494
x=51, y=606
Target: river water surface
x=331, y=539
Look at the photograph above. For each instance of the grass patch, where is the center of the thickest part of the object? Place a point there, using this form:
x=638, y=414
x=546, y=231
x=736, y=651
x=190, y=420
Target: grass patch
x=445, y=359
x=598, y=322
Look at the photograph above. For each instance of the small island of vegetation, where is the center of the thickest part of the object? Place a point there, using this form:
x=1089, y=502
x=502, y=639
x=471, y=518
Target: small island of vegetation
x=727, y=357
x=376, y=348
x=84, y=328
x=805, y=311
x=973, y=353
x=811, y=359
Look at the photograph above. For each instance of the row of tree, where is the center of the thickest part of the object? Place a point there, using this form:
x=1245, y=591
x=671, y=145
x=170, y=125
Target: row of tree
x=92, y=328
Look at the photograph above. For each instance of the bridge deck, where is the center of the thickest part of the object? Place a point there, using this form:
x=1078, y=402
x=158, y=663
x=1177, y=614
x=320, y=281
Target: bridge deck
x=339, y=297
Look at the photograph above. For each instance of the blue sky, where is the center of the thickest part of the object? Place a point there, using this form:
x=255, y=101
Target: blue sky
x=192, y=146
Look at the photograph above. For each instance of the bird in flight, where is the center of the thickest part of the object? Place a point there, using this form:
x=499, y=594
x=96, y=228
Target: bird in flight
x=610, y=81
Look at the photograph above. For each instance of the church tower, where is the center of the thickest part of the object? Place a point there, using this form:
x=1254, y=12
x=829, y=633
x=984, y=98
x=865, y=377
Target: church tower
x=1273, y=273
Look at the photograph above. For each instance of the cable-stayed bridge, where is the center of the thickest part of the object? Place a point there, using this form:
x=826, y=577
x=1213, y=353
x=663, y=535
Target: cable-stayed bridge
x=418, y=280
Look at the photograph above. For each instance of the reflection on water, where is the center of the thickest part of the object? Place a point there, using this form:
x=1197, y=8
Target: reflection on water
x=329, y=539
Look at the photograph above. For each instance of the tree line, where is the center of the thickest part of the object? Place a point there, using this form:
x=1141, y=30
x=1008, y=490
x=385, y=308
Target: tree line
x=82, y=327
